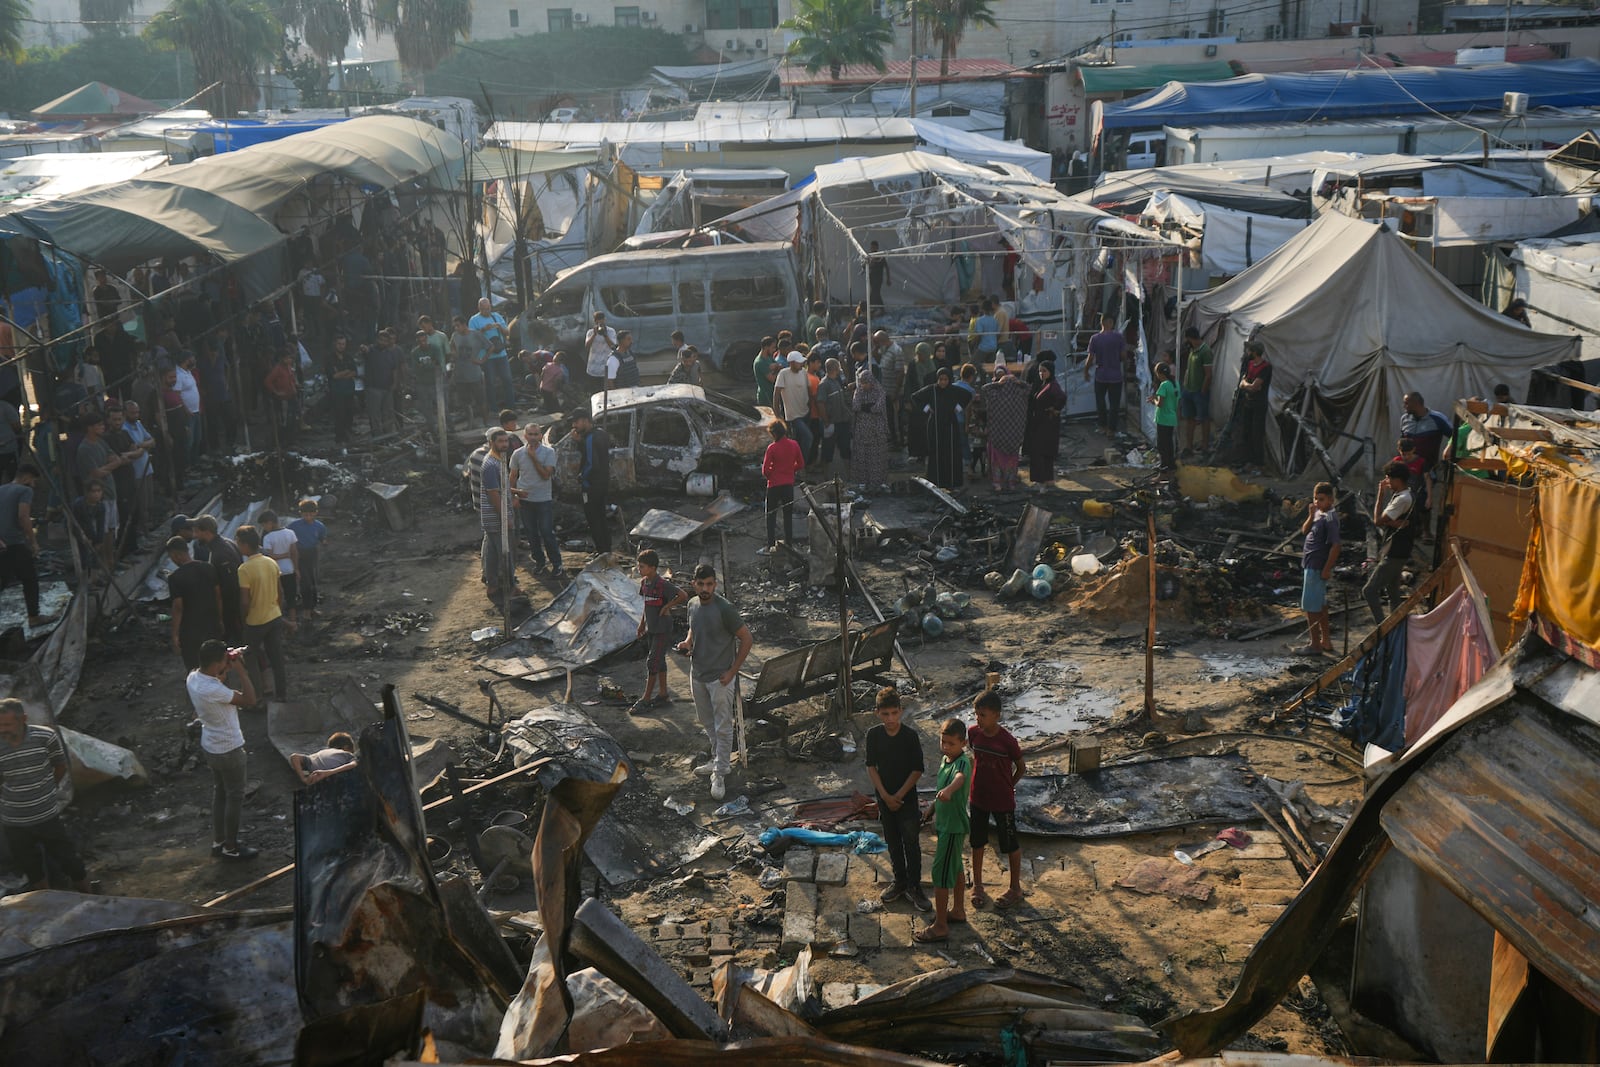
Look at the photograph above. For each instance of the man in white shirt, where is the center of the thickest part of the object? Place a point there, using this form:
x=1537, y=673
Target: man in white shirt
x=216, y=705
x=533, y=471
x=791, y=395
x=600, y=342
x=189, y=389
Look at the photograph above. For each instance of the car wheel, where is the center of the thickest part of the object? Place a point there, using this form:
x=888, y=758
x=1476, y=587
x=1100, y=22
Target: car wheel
x=739, y=359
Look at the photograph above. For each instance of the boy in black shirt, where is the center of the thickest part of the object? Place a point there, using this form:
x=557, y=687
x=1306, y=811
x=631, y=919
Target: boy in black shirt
x=894, y=763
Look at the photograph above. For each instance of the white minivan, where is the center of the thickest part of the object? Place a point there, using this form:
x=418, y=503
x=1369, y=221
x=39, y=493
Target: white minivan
x=724, y=299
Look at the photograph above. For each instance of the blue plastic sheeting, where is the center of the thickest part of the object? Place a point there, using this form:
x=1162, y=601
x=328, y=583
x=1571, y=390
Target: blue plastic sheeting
x=232, y=136
x=860, y=841
x=1376, y=711
x=1359, y=93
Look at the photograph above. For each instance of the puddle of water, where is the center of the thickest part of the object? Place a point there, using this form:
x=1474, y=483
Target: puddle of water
x=1041, y=712
x=1232, y=667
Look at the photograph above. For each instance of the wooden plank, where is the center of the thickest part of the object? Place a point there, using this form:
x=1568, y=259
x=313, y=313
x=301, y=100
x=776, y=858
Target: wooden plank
x=1508, y=982
x=1474, y=590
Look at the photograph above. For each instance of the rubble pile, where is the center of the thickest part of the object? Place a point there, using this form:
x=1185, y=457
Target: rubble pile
x=266, y=475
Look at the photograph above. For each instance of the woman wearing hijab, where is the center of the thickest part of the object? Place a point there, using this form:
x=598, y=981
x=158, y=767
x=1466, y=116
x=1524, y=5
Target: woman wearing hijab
x=1006, y=399
x=919, y=374
x=1254, y=384
x=1044, y=414
x=940, y=404
x=869, y=445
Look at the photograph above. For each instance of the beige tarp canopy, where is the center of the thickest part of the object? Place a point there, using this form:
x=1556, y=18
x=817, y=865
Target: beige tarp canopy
x=1352, y=320
x=227, y=206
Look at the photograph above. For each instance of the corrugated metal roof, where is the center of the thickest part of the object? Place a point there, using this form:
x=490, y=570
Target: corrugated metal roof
x=1505, y=815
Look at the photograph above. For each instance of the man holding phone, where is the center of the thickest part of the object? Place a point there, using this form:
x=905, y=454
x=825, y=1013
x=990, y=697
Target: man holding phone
x=216, y=705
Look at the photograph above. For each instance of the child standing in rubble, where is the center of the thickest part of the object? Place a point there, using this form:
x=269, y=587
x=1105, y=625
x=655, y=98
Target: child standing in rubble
x=894, y=763
x=951, y=821
x=998, y=767
x=660, y=597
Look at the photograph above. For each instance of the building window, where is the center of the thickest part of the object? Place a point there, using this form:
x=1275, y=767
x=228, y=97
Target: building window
x=560, y=19
x=741, y=14
x=515, y=16
x=625, y=16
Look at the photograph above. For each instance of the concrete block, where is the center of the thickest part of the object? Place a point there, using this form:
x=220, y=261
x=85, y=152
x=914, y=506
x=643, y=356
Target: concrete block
x=838, y=994
x=695, y=931
x=799, y=917
x=604, y=941
x=832, y=928
x=668, y=932
x=897, y=928
x=720, y=926
x=799, y=864
x=721, y=945
x=832, y=868
x=866, y=930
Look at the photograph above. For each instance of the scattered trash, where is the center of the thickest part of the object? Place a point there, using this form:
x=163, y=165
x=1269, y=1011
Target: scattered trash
x=1012, y=585
x=1085, y=563
x=932, y=625
x=868, y=905
x=1097, y=509
x=485, y=633
x=682, y=807
x=1040, y=589
x=845, y=949
x=771, y=878
x=739, y=805
x=1157, y=877
x=1231, y=836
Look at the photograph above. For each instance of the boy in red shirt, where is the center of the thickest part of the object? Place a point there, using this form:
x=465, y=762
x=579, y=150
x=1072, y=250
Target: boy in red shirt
x=998, y=767
x=782, y=462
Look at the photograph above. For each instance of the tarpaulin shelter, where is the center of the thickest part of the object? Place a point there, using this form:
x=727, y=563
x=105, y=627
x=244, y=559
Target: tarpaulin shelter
x=93, y=101
x=242, y=208
x=1352, y=320
x=1229, y=241
x=1379, y=92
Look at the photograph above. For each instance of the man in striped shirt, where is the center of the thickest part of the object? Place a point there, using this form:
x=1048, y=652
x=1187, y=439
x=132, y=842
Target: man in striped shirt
x=32, y=762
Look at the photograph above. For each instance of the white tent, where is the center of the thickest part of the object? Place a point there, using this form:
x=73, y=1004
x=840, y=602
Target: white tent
x=1559, y=277
x=1352, y=320
x=1230, y=240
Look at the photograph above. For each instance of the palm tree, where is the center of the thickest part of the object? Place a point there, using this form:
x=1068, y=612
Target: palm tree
x=229, y=40
x=834, y=33
x=947, y=22
x=325, y=26
x=12, y=14
x=425, y=31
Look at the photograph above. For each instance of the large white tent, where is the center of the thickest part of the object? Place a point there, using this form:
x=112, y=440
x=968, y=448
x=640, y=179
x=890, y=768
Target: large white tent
x=1352, y=320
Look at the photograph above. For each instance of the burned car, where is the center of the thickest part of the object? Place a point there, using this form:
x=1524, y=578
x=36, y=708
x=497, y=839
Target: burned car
x=662, y=434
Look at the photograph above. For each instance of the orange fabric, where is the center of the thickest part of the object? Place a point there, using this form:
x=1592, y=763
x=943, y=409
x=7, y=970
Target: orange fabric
x=1561, y=572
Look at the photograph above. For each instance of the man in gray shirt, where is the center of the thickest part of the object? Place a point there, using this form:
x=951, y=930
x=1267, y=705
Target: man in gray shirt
x=533, y=471
x=717, y=646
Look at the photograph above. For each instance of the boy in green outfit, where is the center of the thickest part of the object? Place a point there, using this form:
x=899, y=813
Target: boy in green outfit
x=951, y=822
x=1165, y=399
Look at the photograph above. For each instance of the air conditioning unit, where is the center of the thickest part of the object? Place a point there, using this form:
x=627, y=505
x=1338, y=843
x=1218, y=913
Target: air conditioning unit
x=1211, y=51
x=689, y=27
x=761, y=44
x=647, y=16
x=1514, y=104
x=730, y=46
x=579, y=18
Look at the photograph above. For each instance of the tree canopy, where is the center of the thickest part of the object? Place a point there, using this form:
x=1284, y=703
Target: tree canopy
x=12, y=14
x=526, y=76
x=128, y=63
x=947, y=22
x=837, y=33
x=425, y=31
x=229, y=40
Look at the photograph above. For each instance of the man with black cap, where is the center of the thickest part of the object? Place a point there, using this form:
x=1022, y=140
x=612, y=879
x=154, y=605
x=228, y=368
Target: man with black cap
x=594, y=476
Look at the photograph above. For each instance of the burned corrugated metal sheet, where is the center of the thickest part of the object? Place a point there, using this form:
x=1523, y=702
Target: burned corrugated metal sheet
x=369, y=923
x=1288, y=949
x=1293, y=943
x=1507, y=815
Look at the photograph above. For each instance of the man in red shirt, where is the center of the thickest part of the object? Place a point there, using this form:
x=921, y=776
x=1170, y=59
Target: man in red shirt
x=998, y=767
x=782, y=462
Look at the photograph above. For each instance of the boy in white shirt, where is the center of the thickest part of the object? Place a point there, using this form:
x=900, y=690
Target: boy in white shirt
x=281, y=544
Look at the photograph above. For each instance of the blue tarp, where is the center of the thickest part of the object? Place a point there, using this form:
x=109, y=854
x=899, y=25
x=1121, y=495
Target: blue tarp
x=232, y=136
x=1360, y=93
